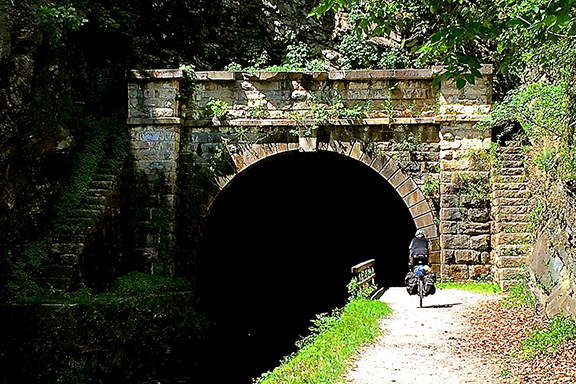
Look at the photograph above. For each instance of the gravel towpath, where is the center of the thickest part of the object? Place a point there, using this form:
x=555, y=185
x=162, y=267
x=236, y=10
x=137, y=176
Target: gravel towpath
x=417, y=345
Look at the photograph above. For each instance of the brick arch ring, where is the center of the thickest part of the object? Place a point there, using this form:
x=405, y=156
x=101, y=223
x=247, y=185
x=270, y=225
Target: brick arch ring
x=384, y=165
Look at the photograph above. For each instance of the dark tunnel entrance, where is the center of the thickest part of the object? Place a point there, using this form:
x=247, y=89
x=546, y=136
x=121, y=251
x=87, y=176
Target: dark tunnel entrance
x=278, y=246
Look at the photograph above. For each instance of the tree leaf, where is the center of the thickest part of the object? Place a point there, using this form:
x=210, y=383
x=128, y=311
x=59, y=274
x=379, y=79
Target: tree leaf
x=460, y=82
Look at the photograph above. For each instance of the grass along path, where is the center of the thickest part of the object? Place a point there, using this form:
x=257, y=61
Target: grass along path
x=325, y=356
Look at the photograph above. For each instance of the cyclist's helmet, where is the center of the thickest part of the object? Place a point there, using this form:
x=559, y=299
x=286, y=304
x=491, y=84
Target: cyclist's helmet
x=420, y=234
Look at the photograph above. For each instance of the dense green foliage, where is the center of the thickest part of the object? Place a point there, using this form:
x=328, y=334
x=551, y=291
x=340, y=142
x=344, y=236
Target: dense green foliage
x=463, y=34
x=141, y=330
x=324, y=359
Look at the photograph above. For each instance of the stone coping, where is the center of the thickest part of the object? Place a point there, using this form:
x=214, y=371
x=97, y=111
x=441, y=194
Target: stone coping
x=338, y=122
x=145, y=74
x=154, y=121
x=351, y=75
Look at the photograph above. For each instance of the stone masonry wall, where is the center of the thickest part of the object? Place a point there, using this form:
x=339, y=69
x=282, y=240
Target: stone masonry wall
x=415, y=135
x=553, y=260
x=464, y=217
x=155, y=136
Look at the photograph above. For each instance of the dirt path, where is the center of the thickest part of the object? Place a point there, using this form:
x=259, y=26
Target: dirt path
x=417, y=345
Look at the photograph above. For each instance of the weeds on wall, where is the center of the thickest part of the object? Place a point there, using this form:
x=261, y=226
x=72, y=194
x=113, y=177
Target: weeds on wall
x=405, y=150
x=431, y=187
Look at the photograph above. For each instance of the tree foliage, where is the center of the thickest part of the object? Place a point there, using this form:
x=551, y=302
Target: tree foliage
x=462, y=34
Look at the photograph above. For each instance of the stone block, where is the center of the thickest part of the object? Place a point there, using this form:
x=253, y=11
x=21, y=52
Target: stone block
x=435, y=257
x=512, y=171
x=413, y=198
x=513, y=250
x=397, y=179
x=471, y=228
x=511, y=239
x=447, y=256
x=307, y=144
x=431, y=233
x=67, y=248
x=69, y=259
x=448, y=201
x=424, y=221
x=379, y=163
x=446, y=187
x=509, y=202
x=481, y=215
x=455, y=241
x=510, y=194
x=451, y=214
x=463, y=256
x=451, y=227
x=510, y=261
x=356, y=151
x=389, y=170
x=420, y=209
x=510, y=186
x=406, y=188
x=508, y=273
x=511, y=218
x=512, y=210
x=478, y=271
x=480, y=243
x=457, y=272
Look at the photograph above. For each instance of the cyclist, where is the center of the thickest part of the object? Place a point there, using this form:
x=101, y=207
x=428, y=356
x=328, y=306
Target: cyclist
x=419, y=250
x=420, y=255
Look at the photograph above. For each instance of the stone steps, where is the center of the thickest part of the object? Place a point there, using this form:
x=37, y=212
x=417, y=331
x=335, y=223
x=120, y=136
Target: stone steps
x=511, y=215
x=68, y=247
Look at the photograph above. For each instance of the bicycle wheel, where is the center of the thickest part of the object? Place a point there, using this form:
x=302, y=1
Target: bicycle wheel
x=420, y=290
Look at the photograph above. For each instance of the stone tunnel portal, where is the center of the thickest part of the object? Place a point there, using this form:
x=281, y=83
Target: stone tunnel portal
x=279, y=243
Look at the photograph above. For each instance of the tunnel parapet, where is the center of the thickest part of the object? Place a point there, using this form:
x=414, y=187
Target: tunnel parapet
x=420, y=137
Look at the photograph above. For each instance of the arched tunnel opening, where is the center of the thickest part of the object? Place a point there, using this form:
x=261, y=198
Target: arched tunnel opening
x=277, y=249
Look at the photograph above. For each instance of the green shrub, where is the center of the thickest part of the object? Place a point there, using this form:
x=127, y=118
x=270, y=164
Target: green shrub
x=548, y=341
x=145, y=328
x=519, y=295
